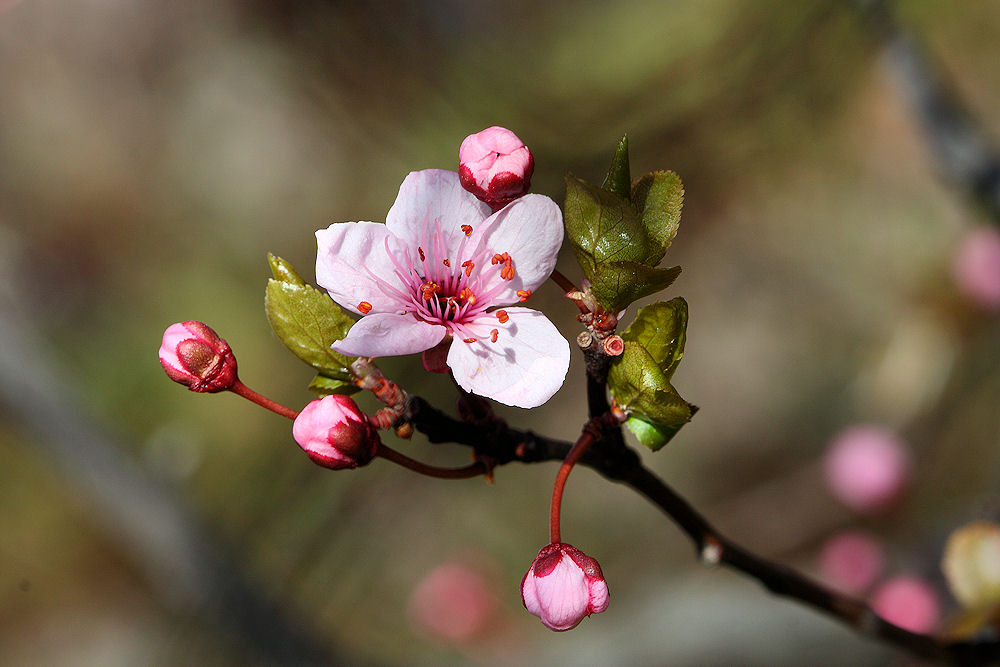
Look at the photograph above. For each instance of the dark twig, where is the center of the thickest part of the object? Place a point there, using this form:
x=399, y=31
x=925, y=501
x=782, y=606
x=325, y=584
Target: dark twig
x=621, y=464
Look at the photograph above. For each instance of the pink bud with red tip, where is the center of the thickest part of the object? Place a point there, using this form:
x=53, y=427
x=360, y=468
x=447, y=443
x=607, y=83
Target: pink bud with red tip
x=194, y=355
x=335, y=433
x=563, y=586
x=495, y=166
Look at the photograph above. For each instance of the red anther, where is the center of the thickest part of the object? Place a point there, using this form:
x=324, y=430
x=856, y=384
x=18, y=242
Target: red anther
x=364, y=307
x=493, y=335
x=469, y=340
x=428, y=290
x=502, y=316
x=467, y=295
x=420, y=251
x=523, y=294
x=467, y=229
x=447, y=263
x=468, y=266
x=496, y=259
x=507, y=272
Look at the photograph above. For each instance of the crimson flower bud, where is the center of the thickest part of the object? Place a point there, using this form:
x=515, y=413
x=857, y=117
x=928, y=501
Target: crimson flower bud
x=562, y=586
x=495, y=166
x=194, y=355
x=335, y=433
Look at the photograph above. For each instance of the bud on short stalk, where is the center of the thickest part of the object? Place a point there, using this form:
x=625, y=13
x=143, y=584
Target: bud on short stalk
x=194, y=355
x=495, y=166
x=563, y=586
x=335, y=433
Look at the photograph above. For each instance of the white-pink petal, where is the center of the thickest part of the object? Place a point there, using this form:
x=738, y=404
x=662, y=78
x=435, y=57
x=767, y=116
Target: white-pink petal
x=524, y=368
x=389, y=334
x=434, y=197
x=530, y=229
x=349, y=254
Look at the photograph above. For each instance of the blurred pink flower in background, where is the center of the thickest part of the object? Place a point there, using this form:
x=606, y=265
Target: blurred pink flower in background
x=909, y=602
x=851, y=561
x=977, y=266
x=454, y=603
x=867, y=467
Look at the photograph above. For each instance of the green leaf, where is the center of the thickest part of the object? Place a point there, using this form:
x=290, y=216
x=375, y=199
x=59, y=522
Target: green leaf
x=283, y=271
x=617, y=284
x=322, y=385
x=661, y=330
x=651, y=435
x=618, y=181
x=306, y=320
x=659, y=197
x=603, y=227
x=639, y=379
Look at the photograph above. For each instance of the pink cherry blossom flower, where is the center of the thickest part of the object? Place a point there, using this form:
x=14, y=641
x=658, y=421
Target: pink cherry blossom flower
x=443, y=267
x=335, y=433
x=563, y=586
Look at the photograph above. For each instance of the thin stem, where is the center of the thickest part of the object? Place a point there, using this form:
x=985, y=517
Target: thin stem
x=567, y=286
x=582, y=445
x=246, y=392
x=564, y=283
x=474, y=470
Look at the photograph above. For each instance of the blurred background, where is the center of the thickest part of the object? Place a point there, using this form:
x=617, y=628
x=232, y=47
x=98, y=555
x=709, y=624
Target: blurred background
x=151, y=154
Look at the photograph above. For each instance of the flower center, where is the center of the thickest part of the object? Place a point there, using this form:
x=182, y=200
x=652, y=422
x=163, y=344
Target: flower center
x=448, y=286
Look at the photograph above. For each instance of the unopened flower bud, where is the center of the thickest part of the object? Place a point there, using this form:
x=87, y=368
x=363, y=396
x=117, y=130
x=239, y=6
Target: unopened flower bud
x=194, y=355
x=563, y=586
x=495, y=166
x=335, y=433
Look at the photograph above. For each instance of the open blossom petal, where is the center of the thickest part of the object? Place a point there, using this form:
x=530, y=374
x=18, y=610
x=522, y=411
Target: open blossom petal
x=431, y=199
x=524, y=367
x=388, y=334
x=530, y=229
x=350, y=255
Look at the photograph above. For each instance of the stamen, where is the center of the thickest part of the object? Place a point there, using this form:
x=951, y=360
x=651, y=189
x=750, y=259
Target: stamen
x=468, y=267
x=364, y=307
x=507, y=272
x=497, y=259
x=423, y=258
x=523, y=294
x=467, y=229
x=467, y=295
x=429, y=289
x=469, y=340
x=502, y=316
x=493, y=335
x=447, y=263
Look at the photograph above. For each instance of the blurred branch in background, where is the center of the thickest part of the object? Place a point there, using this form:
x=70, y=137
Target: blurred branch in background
x=964, y=152
x=191, y=574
